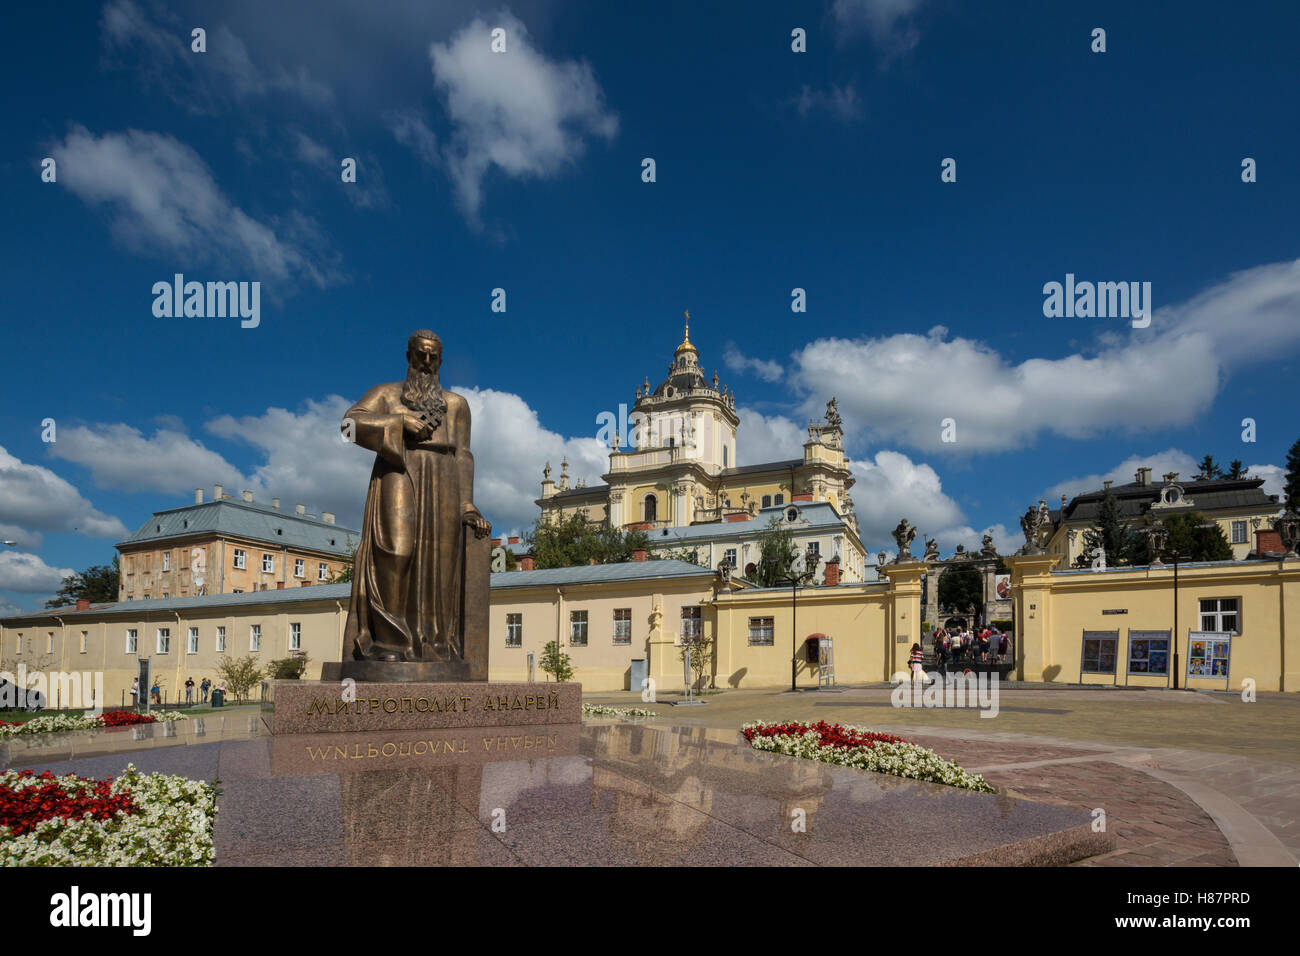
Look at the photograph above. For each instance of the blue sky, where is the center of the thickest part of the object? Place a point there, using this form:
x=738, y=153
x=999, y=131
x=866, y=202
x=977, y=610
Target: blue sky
x=775, y=170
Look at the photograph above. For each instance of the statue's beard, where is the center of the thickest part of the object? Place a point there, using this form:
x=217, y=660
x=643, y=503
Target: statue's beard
x=423, y=393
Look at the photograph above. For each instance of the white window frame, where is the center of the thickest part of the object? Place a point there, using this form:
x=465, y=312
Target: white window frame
x=132, y=641
x=1217, y=615
x=299, y=568
x=268, y=563
x=166, y=560
x=295, y=636
x=730, y=555
x=1239, y=525
x=164, y=640
x=221, y=638
x=241, y=559
x=192, y=645
x=692, y=622
x=515, y=630
x=765, y=629
x=85, y=638
x=622, y=625
x=578, y=624
x=254, y=638
x=322, y=571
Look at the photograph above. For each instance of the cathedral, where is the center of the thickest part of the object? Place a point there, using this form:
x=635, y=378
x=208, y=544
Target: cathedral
x=678, y=480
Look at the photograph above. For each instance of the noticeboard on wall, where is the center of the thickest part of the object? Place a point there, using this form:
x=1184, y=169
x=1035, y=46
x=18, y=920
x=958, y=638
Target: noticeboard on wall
x=1148, y=653
x=1100, y=650
x=1208, y=653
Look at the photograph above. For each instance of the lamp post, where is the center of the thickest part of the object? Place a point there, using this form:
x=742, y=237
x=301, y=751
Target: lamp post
x=1177, y=556
x=795, y=578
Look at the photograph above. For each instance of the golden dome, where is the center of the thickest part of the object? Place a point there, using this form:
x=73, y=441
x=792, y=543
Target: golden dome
x=686, y=345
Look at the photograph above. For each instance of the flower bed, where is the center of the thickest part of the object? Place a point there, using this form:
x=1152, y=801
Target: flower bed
x=626, y=713
x=863, y=749
x=135, y=820
x=110, y=718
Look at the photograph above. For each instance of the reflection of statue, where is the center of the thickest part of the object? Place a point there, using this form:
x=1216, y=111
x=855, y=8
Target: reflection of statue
x=904, y=535
x=406, y=602
x=931, y=550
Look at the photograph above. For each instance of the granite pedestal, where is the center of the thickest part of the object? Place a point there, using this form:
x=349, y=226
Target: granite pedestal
x=316, y=707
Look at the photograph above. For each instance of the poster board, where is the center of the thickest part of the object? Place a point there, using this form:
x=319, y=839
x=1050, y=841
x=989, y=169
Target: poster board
x=1099, y=656
x=1149, y=658
x=1208, y=654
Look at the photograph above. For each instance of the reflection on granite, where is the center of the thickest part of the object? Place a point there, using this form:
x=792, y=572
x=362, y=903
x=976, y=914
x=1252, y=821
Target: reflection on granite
x=610, y=794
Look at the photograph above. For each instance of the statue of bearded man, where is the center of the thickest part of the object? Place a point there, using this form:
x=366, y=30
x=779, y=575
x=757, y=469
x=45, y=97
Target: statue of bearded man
x=407, y=574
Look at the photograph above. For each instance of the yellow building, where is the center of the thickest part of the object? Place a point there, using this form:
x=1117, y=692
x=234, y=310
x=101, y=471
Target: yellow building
x=681, y=471
x=229, y=546
x=618, y=621
x=1238, y=506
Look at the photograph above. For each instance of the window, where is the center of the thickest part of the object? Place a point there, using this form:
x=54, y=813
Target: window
x=164, y=640
x=221, y=640
x=192, y=646
x=815, y=547
x=514, y=630
x=255, y=637
x=724, y=456
x=1221, y=614
x=166, y=560
x=730, y=556
x=299, y=568
x=1148, y=652
x=295, y=637
x=578, y=628
x=166, y=595
x=132, y=641
x=690, y=623
x=622, y=625
x=1239, y=532
x=268, y=564
x=49, y=643
x=18, y=648
x=241, y=558
x=322, y=572
x=84, y=638
x=767, y=501
x=1099, y=652
x=778, y=499
x=650, y=508
x=761, y=631
x=234, y=591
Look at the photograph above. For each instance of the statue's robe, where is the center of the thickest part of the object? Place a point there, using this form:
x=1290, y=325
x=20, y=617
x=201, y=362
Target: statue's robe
x=406, y=590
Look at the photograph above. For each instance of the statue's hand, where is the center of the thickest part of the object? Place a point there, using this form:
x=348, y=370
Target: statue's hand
x=415, y=428
x=475, y=521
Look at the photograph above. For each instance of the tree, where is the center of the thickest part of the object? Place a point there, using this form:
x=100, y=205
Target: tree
x=344, y=574
x=1111, y=533
x=289, y=668
x=1187, y=537
x=698, y=650
x=576, y=540
x=776, y=554
x=556, y=663
x=1208, y=469
x=1291, y=489
x=98, y=584
x=960, y=588
x=1237, y=470
x=241, y=674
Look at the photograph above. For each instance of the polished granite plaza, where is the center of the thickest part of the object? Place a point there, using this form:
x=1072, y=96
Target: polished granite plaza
x=596, y=793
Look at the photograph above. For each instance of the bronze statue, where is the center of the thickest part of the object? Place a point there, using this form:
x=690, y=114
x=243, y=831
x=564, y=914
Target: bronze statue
x=409, y=574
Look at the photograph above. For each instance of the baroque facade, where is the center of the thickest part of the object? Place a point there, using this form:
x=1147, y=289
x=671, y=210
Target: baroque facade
x=680, y=472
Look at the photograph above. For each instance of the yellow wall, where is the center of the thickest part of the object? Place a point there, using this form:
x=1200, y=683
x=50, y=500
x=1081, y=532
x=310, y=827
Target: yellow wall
x=1054, y=608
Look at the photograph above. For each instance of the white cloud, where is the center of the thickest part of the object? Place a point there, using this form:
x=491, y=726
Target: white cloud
x=9, y=610
x=841, y=102
x=735, y=360
x=889, y=22
x=157, y=42
x=900, y=387
x=763, y=438
x=120, y=456
x=163, y=199
x=1274, y=480
x=518, y=112
x=410, y=129
x=27, y=573
x=34, y=499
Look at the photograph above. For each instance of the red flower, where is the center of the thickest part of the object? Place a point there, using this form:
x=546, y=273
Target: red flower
x=21, y=810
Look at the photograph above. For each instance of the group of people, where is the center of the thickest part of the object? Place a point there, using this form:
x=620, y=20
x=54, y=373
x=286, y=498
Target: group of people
x=961, y=645
x=155, y=692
